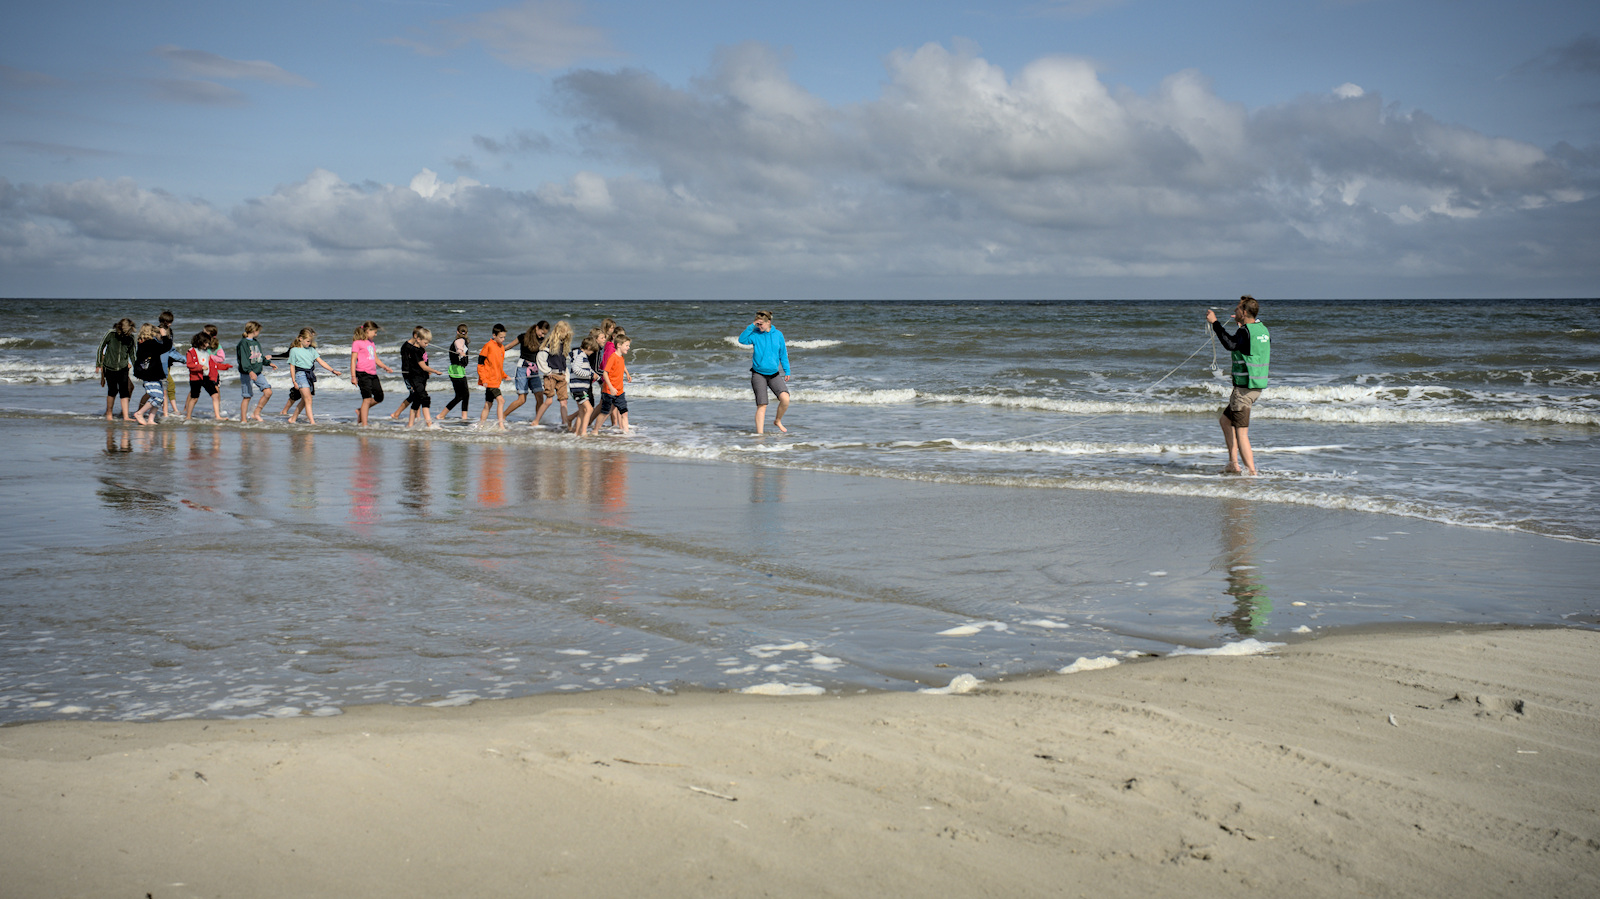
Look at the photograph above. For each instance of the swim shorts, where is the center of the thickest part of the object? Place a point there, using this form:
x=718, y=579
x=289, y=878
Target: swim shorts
x=617, y=401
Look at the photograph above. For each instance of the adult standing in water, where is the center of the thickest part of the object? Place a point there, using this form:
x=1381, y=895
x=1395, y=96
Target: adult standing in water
x=769, y=368
x=1251, y=347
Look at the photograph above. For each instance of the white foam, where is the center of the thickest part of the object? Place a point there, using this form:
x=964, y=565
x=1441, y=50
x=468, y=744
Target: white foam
x=770, y=650
x=961, y=683
x=1087, y=664
x=1247, y=647
x=781, y=689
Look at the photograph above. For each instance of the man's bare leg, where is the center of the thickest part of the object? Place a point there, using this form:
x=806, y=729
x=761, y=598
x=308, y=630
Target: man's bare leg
x=1233, y=445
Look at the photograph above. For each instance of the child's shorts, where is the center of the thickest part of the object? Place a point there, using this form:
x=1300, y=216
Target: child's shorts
x=556, y=384
x=156, y=393
x=418, y=386
x=305, y=380
x=371, y=388
x=617, y=401
x=252, y=380
x=490, y=394
x=199, y=384
x=528, y=378
x=582, y=395
x=118, y=382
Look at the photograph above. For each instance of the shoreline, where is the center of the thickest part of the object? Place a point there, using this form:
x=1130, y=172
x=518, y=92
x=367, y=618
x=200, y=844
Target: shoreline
x=1425, y=760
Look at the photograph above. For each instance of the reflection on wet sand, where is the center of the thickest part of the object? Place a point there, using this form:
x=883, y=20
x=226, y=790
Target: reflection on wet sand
x=1245, y=583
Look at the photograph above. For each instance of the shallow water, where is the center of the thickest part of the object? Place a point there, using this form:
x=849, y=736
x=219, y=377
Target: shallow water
x=161, y=572
x=943, y=504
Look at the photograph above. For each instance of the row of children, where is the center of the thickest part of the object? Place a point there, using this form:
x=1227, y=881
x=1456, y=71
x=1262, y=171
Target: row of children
x=549, y=367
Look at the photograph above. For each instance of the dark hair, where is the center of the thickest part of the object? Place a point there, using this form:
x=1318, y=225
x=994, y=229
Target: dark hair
x=497, y=329
x=1250, y=306
x=165, y=318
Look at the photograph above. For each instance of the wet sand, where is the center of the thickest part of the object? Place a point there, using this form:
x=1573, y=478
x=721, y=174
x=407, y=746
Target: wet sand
x=1430, y=761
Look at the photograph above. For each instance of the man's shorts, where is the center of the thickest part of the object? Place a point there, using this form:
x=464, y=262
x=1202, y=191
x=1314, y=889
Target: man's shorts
x=252, y=379
x=529, y=379
x=1238, y=408
x=117, y=382
x=760, y=383
x=371, y=388
x=617, y=401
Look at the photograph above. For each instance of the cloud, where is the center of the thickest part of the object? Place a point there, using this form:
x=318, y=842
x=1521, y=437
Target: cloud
x=201, y=64
x=1581, y=56
x=63, y=151
x=196, y=92
x=541, y=35
x=958, y=177
x=22, y=79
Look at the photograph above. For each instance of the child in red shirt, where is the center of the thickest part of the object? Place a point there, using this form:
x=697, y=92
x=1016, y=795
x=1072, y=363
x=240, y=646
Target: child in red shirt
x=491, y=371
x=613, y=378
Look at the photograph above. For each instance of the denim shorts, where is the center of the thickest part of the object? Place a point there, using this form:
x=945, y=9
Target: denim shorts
x=529, y=379
x=252, y=379
x=305, y=380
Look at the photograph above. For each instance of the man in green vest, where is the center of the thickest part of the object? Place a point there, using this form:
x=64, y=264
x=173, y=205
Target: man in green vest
x=1251, y=347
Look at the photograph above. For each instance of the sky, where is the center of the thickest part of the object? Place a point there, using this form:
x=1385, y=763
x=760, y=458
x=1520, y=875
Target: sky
x=875, y=149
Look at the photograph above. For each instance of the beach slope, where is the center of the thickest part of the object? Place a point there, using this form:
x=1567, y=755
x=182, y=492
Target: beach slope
x=1459, y=762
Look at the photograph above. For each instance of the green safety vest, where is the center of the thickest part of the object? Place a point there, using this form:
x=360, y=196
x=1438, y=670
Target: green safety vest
x=1251, y=371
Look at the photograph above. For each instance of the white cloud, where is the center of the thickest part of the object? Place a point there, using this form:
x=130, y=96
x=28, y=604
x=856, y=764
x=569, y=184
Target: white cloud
x=542, y=35
x=957, y=174
x=202, y=64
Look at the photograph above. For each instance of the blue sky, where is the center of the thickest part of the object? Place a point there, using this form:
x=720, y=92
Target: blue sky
x=1081, y=149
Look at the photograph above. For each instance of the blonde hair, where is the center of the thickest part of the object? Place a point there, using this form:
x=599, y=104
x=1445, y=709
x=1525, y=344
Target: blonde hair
x=422, y=334
x=305, y=338
x=252, y=328
x=147, y=331
x=559, y=339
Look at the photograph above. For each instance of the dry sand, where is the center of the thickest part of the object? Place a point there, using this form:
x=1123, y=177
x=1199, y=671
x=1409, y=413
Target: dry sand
x=1428, y=762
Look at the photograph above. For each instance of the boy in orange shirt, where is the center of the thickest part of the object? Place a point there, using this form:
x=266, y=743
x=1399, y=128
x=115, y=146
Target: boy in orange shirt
x=613, y=378
x=491, y=371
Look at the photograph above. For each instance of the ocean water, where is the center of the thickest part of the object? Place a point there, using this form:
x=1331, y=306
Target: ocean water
x=988, y=488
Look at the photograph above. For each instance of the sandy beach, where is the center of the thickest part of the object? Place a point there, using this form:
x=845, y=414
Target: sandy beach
x=1431, y=761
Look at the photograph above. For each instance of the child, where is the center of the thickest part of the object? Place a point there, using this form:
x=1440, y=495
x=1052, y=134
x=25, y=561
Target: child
x=580, y=380
x=303, y=358
x=492, y=371
x=206, y=363
x=364, y=365
x=150, y=367
x=526, y=375
x=613, y=378
x=251, y=359
x=414, y=369
x=111, y=363
x=164, y=326
x=552, y=362
x=458, y=372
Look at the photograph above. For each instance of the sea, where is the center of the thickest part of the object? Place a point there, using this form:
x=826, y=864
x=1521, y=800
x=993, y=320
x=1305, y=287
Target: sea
x=989, y=488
